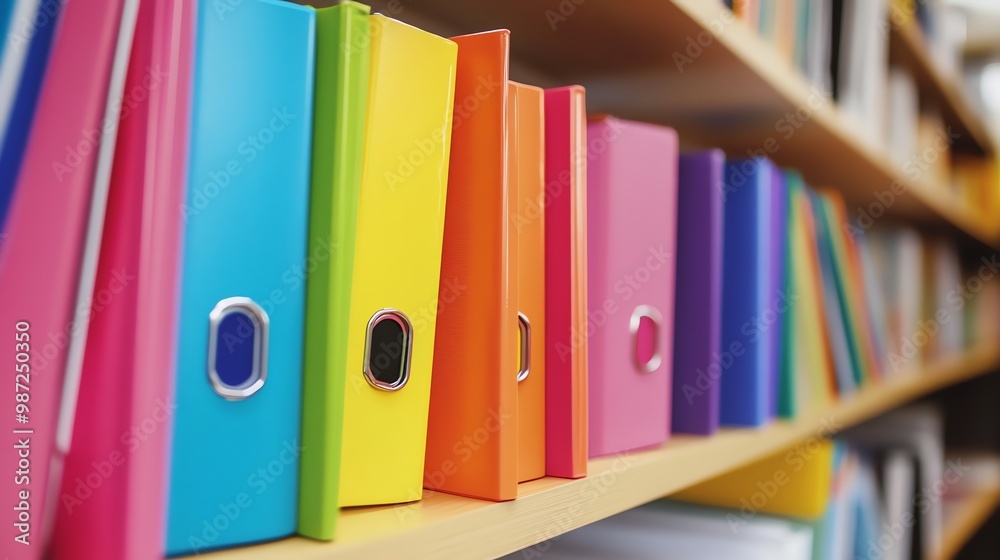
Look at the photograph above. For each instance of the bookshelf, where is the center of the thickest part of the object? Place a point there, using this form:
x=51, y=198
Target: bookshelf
x=906, y=47
x=611, y=49
x=445, y=526
x=963, y=518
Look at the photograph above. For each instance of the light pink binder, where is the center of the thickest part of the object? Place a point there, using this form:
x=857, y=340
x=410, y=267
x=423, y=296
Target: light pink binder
x=631, y=240
x=41, y=258
x=125, y=403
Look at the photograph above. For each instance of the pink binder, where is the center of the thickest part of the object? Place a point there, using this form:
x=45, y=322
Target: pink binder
x=121, y=421
x=631, y=239
x=40, y=259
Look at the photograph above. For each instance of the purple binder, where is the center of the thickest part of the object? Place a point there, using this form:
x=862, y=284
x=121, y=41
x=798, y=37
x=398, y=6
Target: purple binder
x=698, y=331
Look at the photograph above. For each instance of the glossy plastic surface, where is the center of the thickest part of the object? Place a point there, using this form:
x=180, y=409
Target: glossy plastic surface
x=124, y=517
x=632, y=248
x=527, y=157
x=397, y=259
x=566, y=282
x=475, y=356
x=41, y=252
x=338, y=138
x=246, y=219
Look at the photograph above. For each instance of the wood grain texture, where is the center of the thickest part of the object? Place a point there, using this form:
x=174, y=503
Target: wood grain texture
x=445, y=526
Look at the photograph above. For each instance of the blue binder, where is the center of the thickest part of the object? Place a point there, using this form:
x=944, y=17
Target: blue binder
x=15, y=137
x=235, y=453
x=752, y=300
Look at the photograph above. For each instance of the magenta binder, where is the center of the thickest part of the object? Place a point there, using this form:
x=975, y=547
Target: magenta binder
x=631, y=236
x=698, y=324
x=41, y=257
x=123, y=517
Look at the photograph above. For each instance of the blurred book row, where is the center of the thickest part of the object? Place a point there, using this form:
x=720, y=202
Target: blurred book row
x=885, y=490
x=842, y=47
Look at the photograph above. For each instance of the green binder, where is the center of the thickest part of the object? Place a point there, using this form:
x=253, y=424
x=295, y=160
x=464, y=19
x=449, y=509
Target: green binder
x=342, y=58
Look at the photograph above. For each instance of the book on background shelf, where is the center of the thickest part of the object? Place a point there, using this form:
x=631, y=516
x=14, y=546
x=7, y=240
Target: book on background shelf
x=752, y=300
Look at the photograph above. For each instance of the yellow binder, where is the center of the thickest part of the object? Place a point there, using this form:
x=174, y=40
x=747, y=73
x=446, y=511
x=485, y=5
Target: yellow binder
x=793, y=482
x=397, y=263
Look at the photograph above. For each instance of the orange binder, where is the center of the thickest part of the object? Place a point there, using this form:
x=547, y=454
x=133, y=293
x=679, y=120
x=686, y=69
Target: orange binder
x=472, y=425
x=526, y=146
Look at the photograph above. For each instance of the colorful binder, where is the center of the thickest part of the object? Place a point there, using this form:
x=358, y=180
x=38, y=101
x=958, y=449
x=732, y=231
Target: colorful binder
x=474, y=390
x=752, y=301
x=565, y=207
x=341, y=100
x=698, y=348
x=132, y=325
x=632, y=246
x=794, y=482
x=395, y=296
x=526, y=141
x=239, y=364
x=44, y=303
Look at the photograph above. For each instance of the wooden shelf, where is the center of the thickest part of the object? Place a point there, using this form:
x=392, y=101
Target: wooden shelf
x=907, y=47
x=445, y=526
x=963, y=519
x=737, y=93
